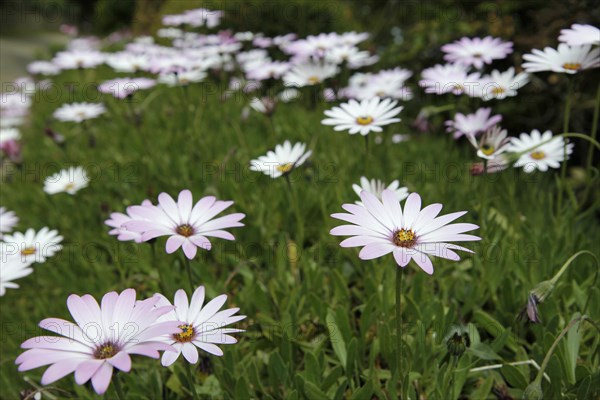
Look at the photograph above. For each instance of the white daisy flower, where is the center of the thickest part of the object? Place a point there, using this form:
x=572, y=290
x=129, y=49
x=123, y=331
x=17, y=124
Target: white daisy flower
x=579, y=35
x=350, y=55
x=264, y=105
x=491, y=144
x=31, y=246
x=567, y=59
x=476, y=51
x=537, y=155
x=79, y=112
x=364, y=117
x=182, y=78
x=500, y=85
x=78, y=59
x=282, y=161
x=43, y=68
x=449, y=78
x=128, y=62
x=12, y=268
x=8, y=220
x=201, y=327
x=169, y=33
x=67, y=180
x=376, y=187
x=308, y=74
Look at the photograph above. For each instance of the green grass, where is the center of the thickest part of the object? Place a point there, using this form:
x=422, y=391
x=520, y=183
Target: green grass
x=320, y=321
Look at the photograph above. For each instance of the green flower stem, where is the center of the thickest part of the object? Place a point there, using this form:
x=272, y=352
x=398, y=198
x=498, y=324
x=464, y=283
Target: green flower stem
x=188, y=267
x=294, y=200
x=190, y=375
x=399, y=276
x=367, y=153
x=563, y=170
x=118, y=387
x=540, y=374
x=594, y=131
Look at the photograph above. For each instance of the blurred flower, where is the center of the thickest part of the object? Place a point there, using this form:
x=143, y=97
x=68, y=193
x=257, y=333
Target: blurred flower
x=376, y=187
x=382, y=227
x=264, y=105
x=579, y=35
x=79, y=112
x=9, y=134
x=182, y=78
x=399, y=138
x=476, y=51
x=499, y=85
x=128, y=62
x=125, y=87
x=8, y=220
x=43, y=68
x=498, y=164
x=187, y=225
x=32, y=246
x=12, y=268
x=449, y=78
x=540, y=151
x=491, y=144
x=364, y=117
x=101, y=338
x=267, y=70
x=201, y=327
x=567, y=59
x=351, y=56
x=75, y=59
x=117, y=220
x=308, y=74
x=67, y=180
x=472, y=124
x=282, y=161
x=385, y=83
x=54, y=135
x=170, y=33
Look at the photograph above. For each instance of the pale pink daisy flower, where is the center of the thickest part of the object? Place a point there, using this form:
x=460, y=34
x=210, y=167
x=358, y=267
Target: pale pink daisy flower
x=472, y=124
x=78, y=59
x=124, y=87
x=449, y=78
x=11, y=269
x=101, y=338
x=188, y=225
x=383, y=227
x=477, y=51
x=201, y=327
x=567, y=59
x=117, y=220
x=579, y=35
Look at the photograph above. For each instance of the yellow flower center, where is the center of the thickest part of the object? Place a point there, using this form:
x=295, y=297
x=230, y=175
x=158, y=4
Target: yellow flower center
x=477, y=55
x=81, y=114
x=27, y=251
x=285, y=168
x=404, y=238
x=366, y=120
x=70, y=186
x=187, y=334
x=498, y=90
x=185, y=230
x=459, y=87
x=105, y=351
x=572, y=66
x=487, y=149
x=538, y=155
x=313, y=80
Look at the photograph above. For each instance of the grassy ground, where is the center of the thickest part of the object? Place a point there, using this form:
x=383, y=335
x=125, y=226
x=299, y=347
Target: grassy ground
x=320, y=321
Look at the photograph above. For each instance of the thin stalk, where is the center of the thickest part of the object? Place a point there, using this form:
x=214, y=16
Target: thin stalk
x=294, y=199
x=188, y=267
x=563, y=170
x=399, y=275
x=594, y=131
x=190, y=375
x=367, y=153
x=118, y=387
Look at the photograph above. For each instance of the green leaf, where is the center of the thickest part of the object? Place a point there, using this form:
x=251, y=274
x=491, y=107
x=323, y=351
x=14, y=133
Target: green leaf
x=514, y=377
x=352, y=352
x=313, y=392
x=336, y=338
x=364, y=392
x=483, y=351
